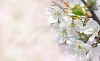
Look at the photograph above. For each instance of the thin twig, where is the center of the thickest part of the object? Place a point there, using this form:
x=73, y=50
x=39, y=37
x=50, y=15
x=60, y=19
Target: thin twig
x=59, y=3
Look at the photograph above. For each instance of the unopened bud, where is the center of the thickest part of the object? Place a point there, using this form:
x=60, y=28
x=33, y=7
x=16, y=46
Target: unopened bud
x=88, y=14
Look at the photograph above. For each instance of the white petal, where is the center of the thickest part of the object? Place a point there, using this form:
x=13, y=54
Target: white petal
x=79, y=25
x=88, y=30
x=62, y=25
x=68, y=20
x=61, y=41
x=50, y=11
x=92, y=39
x=92, y=22
x=52, y=19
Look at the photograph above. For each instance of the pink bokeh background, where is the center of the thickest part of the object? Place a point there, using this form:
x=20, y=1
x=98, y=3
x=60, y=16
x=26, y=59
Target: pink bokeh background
x=25, y=34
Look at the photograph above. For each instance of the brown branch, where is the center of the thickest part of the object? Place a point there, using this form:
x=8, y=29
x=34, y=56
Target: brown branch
x=93, y=14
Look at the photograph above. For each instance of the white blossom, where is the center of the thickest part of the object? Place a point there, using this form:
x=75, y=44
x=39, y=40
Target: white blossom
x=56, y=14
x=92, y=27
x=71, y=30
x=95, y=53
x=78, y=48
x=62, y=33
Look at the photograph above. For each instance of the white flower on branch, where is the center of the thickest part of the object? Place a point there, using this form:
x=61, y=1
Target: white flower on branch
x=92, y=27
x=56, y=14
x=78, y=48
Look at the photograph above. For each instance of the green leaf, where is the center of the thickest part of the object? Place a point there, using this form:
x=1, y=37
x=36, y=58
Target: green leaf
x=83, y=37
x=91, y=4
x=91, y=1
x=78, y=11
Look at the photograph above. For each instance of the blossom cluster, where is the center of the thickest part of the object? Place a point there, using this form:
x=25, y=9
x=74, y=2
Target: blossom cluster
x=75, y=27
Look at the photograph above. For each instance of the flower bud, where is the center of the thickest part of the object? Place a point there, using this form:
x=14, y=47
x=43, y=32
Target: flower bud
x=88, y=14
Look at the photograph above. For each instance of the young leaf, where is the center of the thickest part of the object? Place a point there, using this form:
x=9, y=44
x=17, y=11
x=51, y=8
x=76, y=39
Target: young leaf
x=78, y=11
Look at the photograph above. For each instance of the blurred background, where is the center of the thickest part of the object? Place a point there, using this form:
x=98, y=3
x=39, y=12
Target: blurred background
x=25, y=34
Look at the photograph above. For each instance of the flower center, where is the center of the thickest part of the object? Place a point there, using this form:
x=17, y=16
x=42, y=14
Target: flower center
x=63, y=32
x=79, y=49
x=73, y=24
x=57, y=14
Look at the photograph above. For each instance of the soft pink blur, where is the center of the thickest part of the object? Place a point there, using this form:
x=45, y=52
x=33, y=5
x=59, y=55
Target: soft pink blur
x=25, y=34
